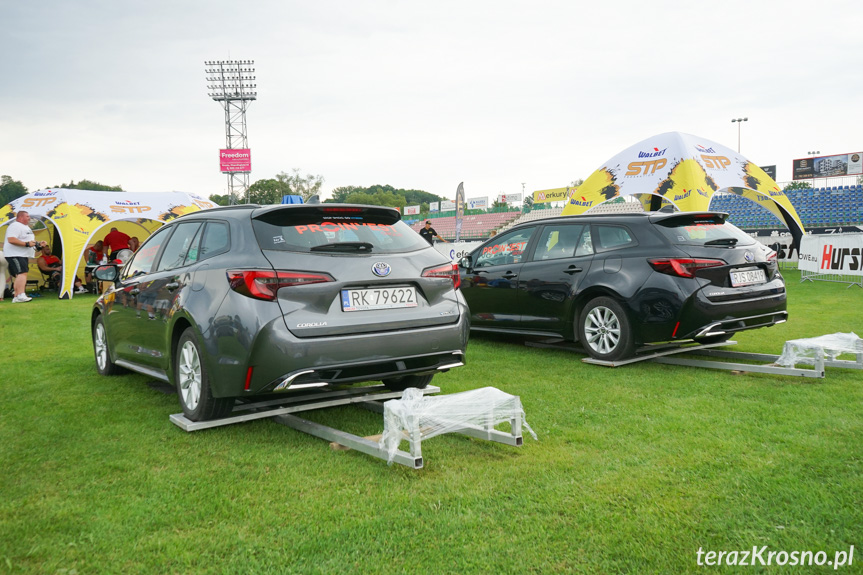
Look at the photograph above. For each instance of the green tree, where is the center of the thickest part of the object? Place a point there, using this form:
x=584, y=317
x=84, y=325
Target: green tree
x=89, y=185
x=222, y=200
x=797, y=186
x=341, y=193
x=10, y=189
x=269, y=191
x=383, y=198
x=499, y=204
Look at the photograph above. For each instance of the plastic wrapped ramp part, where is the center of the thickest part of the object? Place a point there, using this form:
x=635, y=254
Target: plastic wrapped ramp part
x=828, y=347
x=415, y=417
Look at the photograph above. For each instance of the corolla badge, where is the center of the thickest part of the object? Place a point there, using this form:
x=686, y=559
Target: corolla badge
x=748, y=256
x=381, y=269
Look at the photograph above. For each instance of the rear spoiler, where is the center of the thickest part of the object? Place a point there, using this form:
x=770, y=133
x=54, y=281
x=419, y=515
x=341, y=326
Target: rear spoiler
x=682, y=218
x=378, y=214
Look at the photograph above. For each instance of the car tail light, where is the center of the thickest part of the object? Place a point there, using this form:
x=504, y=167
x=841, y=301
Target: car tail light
x=682, y=267
x=261, y=284
x=444, y=271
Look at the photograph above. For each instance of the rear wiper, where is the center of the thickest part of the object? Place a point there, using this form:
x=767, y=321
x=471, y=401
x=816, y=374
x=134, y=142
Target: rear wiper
x=343, y=247
x=722, y=242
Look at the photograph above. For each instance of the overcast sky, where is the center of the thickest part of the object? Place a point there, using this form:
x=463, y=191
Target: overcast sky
x=419, y=95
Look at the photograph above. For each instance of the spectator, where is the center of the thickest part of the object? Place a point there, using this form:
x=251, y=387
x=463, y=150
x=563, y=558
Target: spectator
x=134, y=243
x=429, y=233
x=96, y=253
x=116, y=241
x=3, y=267
x=19, y=247
x=51, y=265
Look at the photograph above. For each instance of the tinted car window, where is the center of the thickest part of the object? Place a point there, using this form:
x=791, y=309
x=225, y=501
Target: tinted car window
x=510, y=248
x=316, y=230
x=215, y=241
x=613, y=237
x=560, y=241
x=177, y=247
x=142, y=262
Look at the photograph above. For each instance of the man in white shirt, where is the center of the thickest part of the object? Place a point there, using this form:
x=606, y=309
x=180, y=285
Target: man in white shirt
x=20, y=245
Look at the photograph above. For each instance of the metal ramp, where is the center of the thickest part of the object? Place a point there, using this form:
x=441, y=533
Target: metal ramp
x=371, y=398
x=671, y=354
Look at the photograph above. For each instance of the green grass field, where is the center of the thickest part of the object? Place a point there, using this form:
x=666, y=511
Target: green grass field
x=636, y=468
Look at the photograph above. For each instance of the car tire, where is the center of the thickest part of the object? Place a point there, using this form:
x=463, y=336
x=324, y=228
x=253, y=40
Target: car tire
x=193, y=382
x=101, y=350
x=406, y=381
x=604, y=330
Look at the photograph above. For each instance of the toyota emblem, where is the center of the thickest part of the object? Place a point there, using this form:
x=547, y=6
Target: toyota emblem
x=381, y=269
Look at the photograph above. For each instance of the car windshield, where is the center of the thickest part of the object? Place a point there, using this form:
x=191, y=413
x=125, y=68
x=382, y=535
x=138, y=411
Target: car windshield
x=335, y=230
x=703, y=231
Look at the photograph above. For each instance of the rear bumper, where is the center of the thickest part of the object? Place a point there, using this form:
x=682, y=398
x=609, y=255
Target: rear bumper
x=280, y=360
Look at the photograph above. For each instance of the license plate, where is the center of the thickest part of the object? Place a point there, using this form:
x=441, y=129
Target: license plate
x=378, y=298
x=747, y=277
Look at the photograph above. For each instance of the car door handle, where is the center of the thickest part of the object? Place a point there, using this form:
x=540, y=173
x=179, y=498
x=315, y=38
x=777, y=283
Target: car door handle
x=509, y=275
x=172, y=286
x=572, y=270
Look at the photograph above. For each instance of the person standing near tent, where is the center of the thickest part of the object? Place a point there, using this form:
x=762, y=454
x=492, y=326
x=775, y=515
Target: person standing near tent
x=115, y=241
x=3, y=267
x=20, y=245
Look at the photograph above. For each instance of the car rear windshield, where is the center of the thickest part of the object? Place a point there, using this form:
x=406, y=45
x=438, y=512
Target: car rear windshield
x=322, y=229
x=703, y=230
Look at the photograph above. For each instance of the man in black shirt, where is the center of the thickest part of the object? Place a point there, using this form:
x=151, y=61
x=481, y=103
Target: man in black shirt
x=429, y=233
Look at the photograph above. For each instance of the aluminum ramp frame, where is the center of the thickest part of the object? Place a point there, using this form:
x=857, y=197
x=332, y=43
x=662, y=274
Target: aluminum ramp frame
x=669, y=354
x=282, y=410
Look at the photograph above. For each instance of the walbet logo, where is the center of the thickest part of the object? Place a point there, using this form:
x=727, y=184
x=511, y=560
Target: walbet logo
x=833, y=258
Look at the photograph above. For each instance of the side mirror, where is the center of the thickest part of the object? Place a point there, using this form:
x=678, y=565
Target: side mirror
x=107, y=273
x=466, y=262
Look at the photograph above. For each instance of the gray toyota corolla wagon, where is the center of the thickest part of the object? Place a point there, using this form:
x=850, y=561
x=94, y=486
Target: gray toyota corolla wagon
x=248, y=300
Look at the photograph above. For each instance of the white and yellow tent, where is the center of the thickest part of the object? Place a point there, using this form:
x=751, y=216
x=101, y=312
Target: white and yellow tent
x=683, y=170
x=81, y=217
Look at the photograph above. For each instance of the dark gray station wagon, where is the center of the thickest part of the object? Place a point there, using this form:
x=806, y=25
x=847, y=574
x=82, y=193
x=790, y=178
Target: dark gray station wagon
x=615, y=282
x=249, y=300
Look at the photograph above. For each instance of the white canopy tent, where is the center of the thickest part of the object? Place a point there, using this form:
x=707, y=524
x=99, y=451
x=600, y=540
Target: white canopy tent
x=80, y=217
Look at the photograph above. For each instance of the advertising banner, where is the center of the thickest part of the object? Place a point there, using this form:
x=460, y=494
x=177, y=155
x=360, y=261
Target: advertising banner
x=769, y=170
x=447, y=205
x=454, y=251
x=412, y=210
x=459, y=209
x=828, y=166
x=434, y=206
x=509, y=198
x=834, y=254
x=555, y=195
x=233, y=161
x=478, y=203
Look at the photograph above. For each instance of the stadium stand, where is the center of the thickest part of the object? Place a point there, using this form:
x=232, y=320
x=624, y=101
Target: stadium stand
x=473, y=227
x=818, y=207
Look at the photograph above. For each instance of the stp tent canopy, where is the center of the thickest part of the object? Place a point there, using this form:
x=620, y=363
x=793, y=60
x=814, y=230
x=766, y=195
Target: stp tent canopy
x=79, y=216
x=684, y=170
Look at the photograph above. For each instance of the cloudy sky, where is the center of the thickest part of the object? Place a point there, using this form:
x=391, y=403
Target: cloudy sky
x=423, y=95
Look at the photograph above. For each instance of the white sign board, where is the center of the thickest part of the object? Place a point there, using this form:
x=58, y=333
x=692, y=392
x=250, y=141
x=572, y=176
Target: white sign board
x=835, y=254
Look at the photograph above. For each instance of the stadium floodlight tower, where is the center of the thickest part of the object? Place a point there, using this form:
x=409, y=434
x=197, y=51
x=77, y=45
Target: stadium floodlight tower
x=230, y=83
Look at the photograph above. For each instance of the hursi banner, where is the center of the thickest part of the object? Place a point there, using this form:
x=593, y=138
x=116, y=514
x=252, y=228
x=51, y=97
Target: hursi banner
x=834, y=254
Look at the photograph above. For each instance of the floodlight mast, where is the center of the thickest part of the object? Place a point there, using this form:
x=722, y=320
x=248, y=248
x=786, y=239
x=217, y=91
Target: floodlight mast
x=230, y=84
